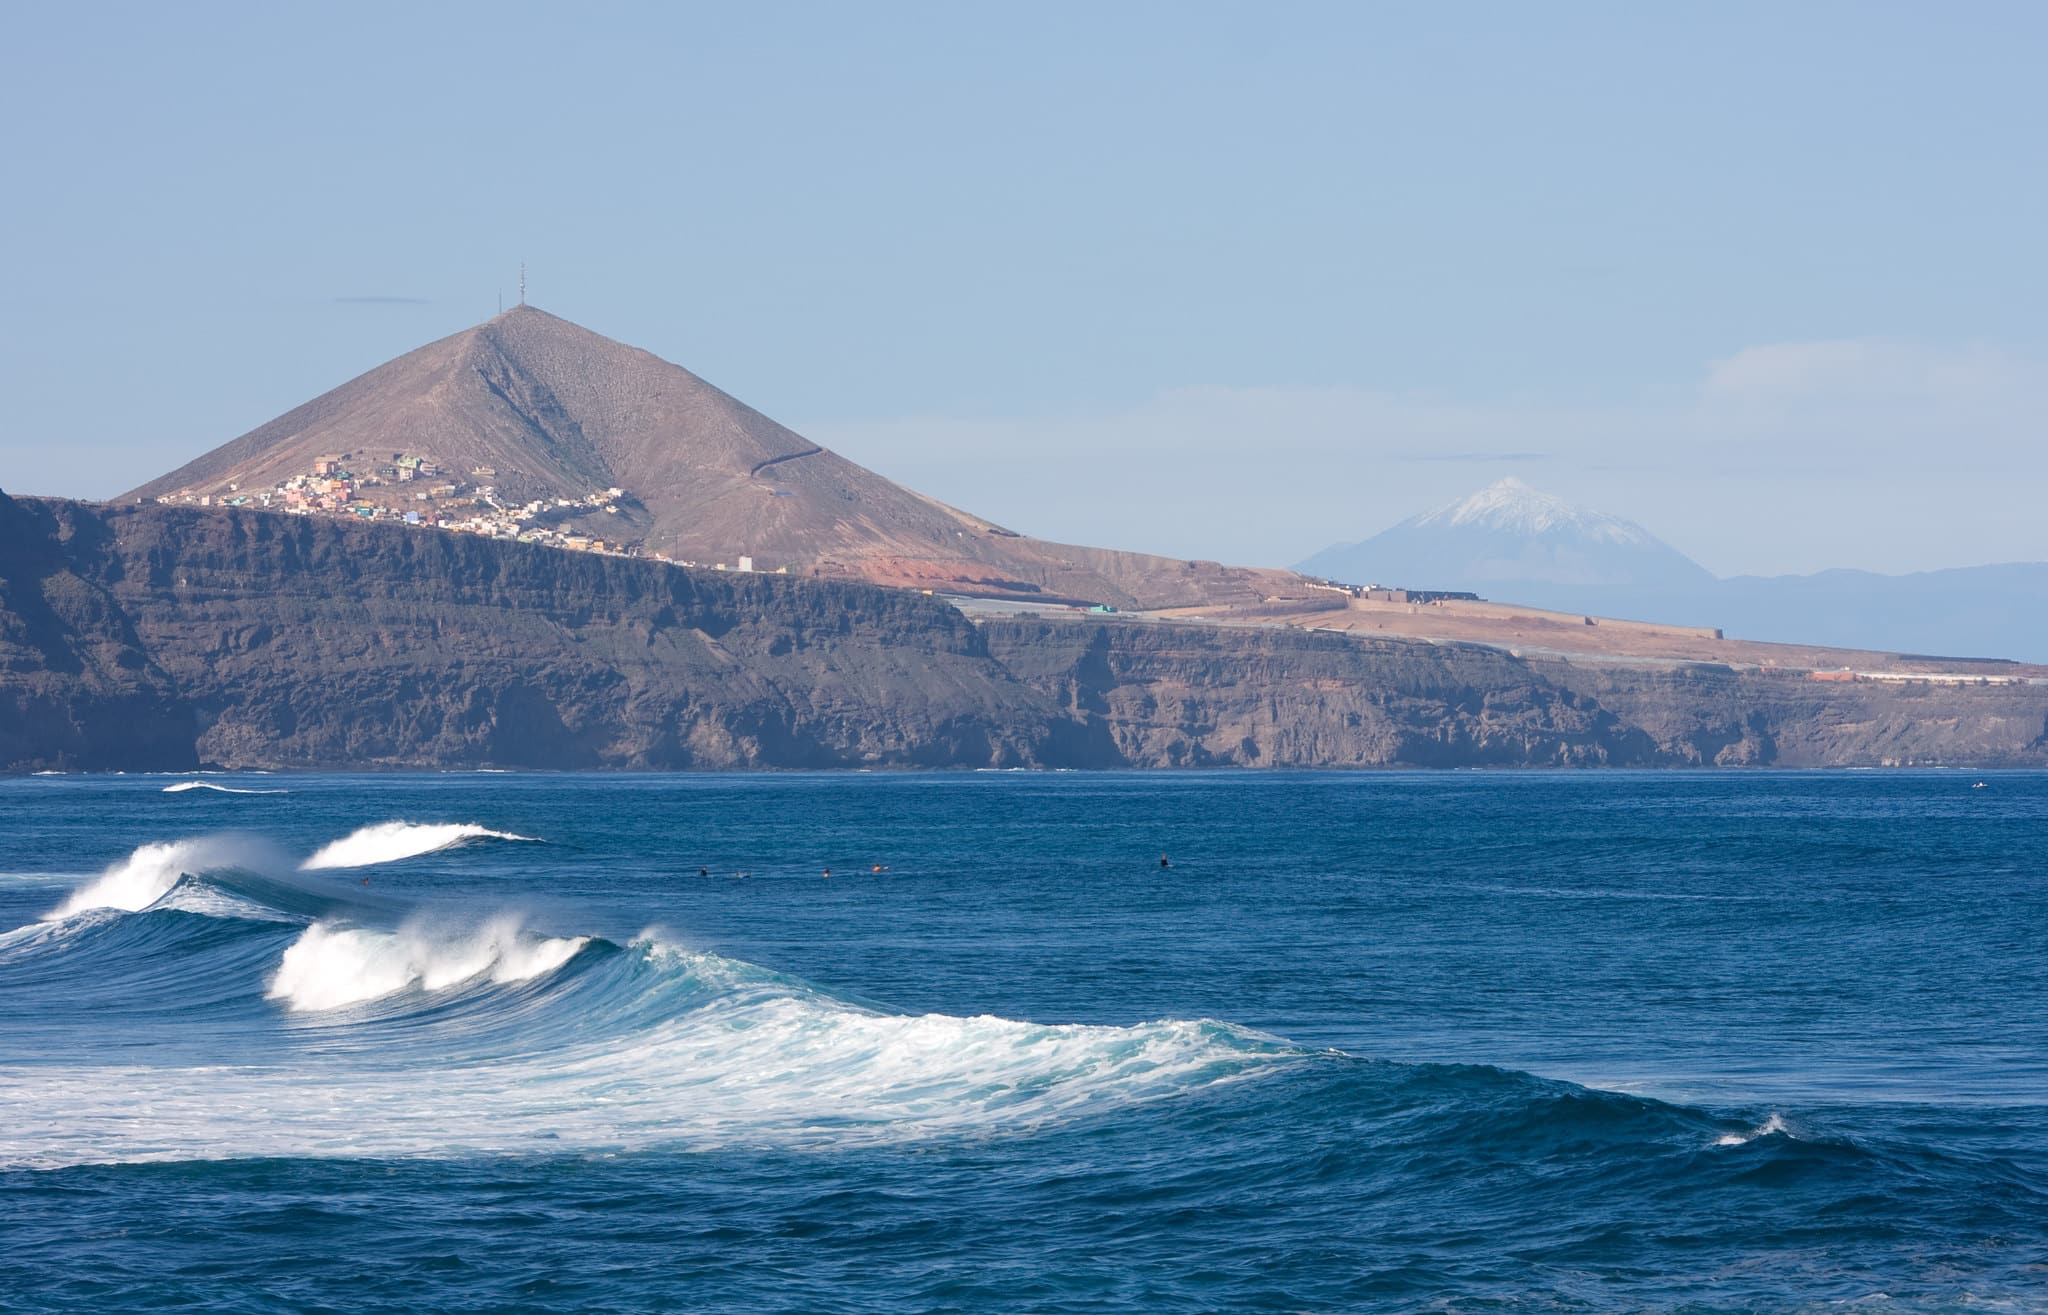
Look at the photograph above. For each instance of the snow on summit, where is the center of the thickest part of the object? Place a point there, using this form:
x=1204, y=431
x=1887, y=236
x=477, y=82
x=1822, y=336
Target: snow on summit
x=1511, y=541
x=1510, y=506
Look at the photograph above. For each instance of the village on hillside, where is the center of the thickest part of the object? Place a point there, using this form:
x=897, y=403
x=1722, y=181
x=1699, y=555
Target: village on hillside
x=414, y=489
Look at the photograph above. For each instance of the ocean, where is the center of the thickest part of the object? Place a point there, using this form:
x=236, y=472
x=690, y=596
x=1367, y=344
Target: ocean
x=1379, y=1041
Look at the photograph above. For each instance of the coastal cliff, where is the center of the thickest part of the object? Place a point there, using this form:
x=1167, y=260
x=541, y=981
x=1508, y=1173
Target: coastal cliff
x=1212, y=696
x=150, y=637
x=77, y=685
x=276, y=641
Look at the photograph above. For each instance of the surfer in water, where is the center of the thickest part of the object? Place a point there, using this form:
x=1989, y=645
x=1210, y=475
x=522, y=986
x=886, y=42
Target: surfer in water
x=1164, y=862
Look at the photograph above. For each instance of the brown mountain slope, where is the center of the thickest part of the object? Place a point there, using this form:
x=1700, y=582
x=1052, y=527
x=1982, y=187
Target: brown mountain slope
x=553, y=410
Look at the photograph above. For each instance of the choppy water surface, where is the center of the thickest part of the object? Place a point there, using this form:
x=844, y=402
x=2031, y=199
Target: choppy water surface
x=1531, y=1042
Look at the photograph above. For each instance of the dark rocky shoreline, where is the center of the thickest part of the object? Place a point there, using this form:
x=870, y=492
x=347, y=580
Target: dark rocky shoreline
x=160, y=638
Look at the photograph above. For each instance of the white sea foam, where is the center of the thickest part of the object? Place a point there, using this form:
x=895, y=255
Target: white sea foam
x=35, y=877
x=660, y=1048
x=35, y=935
x=142, y=878
x=181, y=786
x=329, y=967
x=145, y=876
x=387, y=842
x=1771, y=1126
x=211, y=900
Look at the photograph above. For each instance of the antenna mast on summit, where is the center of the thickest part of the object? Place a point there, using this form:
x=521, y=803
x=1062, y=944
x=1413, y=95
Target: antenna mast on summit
x=522, y=283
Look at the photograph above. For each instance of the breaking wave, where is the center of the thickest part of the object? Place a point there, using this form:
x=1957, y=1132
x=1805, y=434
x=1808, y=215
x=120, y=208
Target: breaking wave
x=554, y=1045
x=367, y=1029
x=357, y=1026
x=473, y=1092
x=181, y=787
x=211, y=1000
x=147, y=875
x=387, y=842
x=329, y=966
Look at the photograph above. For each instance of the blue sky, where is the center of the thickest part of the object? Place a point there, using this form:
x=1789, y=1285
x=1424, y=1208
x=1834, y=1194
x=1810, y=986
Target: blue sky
x=1227, y=280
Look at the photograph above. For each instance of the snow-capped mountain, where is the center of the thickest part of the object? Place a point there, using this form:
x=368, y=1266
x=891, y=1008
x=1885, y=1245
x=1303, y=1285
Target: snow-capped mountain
x=1511, y=543
x=1509, y=505
x=1510, y=540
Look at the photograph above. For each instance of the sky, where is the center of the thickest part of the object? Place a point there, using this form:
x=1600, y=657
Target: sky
x=1229, y=281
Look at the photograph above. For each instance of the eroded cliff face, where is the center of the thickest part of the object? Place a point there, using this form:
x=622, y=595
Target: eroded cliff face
x=1202, y=696
x=1708, y=716
x=166, y=638
x=1175, y=695
x=77, y=686
x=290, y=642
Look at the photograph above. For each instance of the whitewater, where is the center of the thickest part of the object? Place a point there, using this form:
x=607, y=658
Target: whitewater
x=1551, y=1043
x=148, y=874
x=648, y=1044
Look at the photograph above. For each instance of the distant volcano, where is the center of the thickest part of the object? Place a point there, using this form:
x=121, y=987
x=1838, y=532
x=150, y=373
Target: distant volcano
x=528, y=407
x=1512, y=541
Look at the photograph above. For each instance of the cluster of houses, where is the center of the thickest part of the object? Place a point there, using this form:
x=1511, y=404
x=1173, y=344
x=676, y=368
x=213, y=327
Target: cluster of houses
x=415, y=490
x=408, y=487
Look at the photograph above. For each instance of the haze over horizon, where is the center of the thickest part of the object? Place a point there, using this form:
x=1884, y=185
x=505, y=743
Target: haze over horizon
x=1187, y=280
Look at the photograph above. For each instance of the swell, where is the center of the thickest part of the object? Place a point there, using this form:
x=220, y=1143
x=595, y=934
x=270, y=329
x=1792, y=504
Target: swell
x=152, y=870
x=368, y=1039
x=364, y=1026
x=414, y=1041
x=255, y=1010
x=389, y=842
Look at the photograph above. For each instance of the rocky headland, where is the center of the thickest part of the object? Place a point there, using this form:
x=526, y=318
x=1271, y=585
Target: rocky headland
x=144, y=637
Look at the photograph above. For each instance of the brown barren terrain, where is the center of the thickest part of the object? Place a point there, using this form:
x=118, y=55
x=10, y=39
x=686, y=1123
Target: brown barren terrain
x=529, y=407
x=1539, y=633
x=529, y=427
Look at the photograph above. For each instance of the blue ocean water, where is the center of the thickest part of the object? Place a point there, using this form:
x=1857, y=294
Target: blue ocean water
x=1531, y=1041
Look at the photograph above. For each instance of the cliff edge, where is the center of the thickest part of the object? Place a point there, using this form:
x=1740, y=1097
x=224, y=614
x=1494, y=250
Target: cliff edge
x=157, y=637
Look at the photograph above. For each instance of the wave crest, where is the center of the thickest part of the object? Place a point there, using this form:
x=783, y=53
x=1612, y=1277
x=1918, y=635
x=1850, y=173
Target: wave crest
x=147, y=875
x=422, y=1040
x=387, y=842
x=329, y=967
x=1774, y=1126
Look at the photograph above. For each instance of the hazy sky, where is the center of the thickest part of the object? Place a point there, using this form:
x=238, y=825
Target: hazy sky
x=1231, y=281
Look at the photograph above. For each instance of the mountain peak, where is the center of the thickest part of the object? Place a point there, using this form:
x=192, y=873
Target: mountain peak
x=1513, y=538
x=530, y=426
x=1511, y=506
x=527, y=311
